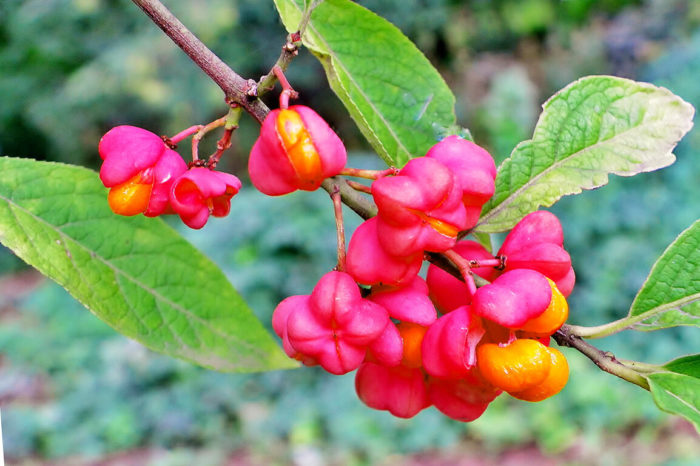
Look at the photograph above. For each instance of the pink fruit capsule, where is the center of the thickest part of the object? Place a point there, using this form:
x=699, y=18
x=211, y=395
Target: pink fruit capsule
x=449, y=345
x=420, y=209
x=140, y=169
x=513, y=298
x=202, y=192
x=333, y=326
x=536, y=243
x=400, y=390
x=474, y=170
x=296, y=150
x=368, y=263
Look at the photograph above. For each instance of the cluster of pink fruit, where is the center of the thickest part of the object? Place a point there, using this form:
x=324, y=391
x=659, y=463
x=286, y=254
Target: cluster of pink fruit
x=415, y=343
x=146, y=176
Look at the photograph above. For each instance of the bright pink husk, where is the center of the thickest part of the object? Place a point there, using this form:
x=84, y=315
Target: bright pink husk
x=423, y=185
x=169, y=167
x=399, y=390
x=513, y=298
x=369, y=264
x=192, y=192
x=474, y=170
x=270, y=170
x=408, y=303
x=447, y=291
x=127, y=150
x=449, y=345
x=387, y=348
x=536, y=243
x=279, y=325
x=463, y=399
x=335, y=326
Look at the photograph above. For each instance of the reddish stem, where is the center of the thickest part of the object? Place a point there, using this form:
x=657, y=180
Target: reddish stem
x=287, y=91
x=339, y=227
x=200, y=134
x=221, y=146
x=173, y=141
x=475, y=264
x=359, y=187
x=369, y=174
x=463, y=265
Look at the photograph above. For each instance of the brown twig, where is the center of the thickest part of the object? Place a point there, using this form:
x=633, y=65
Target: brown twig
x=289, y=50
x=233, y=85
x=605, y=361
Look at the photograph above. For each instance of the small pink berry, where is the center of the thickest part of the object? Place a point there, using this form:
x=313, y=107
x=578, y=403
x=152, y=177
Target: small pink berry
x=420, y=209
x=369, y=263
x=513, y=298
x=296, y=150
x=400, y=390
x=333, y=326
x=202, y=192
x=536, y=243
x=139, y=168
x=474, y=170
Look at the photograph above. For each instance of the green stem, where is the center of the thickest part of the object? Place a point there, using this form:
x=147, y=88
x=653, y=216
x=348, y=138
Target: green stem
x=230, y=125
x=289, y=50
x=360, y=204
x=604, y=330
x=641, y=367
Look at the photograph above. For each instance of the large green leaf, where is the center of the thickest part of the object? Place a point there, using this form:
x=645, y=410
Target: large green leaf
x=398, y=100
x=670, y=295
x=136, y=274
x=677, y=394
x=687, y=365
x=596, y=126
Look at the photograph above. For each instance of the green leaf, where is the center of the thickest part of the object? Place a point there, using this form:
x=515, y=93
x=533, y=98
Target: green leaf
x=396, y=97
x=687, y=365
x=596, y=126
x=677, y=394
x=670, y=295
x=136, y=274
x=483, y=239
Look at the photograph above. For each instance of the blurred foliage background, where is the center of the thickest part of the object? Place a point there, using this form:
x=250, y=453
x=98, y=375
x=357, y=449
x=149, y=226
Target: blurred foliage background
x=73, y=391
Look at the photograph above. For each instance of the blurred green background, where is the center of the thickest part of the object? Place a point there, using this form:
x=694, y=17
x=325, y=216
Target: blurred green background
x=73, y=391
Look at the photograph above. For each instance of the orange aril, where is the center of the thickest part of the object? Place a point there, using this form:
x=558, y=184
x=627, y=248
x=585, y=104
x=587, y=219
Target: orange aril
x=131, y=197
x=438, y=225
x=555, y=381
x=412, y=335
x=552, y=318
x=514, y=367
x=300, y=149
